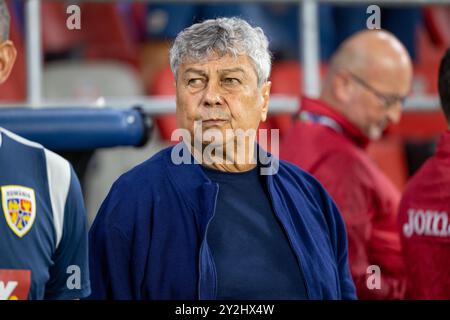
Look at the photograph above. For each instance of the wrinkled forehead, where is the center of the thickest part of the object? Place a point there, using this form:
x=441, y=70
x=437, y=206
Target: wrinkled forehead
x=217, y=61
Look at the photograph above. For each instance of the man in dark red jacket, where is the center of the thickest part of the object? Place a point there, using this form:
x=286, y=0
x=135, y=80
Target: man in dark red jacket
x=368, y=78
x=424, y=213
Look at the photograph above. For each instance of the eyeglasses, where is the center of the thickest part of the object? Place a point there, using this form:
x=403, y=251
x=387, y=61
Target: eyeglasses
x=388, y=100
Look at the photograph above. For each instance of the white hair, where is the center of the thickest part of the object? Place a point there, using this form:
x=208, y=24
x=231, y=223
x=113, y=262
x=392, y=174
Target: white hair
x=223, y=36
x=4, y=21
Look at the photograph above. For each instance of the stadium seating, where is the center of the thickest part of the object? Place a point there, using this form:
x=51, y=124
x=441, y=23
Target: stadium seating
x=82, y=80
x=287, y=79
x=437, y=20
x=56, y=37
x=162, y=86
x=108, y=37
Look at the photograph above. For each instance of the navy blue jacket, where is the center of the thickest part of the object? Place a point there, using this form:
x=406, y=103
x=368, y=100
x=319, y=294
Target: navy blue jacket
x=148, y=240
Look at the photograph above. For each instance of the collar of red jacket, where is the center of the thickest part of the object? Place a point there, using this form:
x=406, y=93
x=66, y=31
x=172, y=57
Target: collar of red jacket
x=443, y=146
x=321, y=108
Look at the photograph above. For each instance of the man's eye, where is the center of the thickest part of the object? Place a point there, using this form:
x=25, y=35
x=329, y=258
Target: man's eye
x=231, y=81
x=196, y=82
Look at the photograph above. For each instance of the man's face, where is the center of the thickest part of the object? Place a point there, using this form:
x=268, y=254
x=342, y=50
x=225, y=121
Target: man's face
x=222, y=93
x=369, y=111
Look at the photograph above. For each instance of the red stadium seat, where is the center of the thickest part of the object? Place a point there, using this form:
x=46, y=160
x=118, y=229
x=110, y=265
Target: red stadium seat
x=287, y=79
x=427, y=63
x=425, y=78
x=107, y=33
x=55, y=36
x=162, y=86
x=108, y=37
x=139, y=17
x=432, y=40
x=437, y=21
x=420, y=125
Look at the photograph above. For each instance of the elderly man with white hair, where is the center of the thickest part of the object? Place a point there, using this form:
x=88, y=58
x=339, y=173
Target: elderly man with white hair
x=215, y=216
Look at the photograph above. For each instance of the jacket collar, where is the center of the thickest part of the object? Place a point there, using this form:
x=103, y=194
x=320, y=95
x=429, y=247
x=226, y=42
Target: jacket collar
x=195, y=187
x=349, y=130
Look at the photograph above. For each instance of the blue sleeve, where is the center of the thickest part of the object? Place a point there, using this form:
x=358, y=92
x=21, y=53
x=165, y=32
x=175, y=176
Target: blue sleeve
x=109, y=255
x=340, y=243
x=69, y=275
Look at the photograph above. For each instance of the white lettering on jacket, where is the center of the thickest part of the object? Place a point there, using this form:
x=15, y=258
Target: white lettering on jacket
x=426, y=223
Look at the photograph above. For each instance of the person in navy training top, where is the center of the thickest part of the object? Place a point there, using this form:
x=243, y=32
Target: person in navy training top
x=424, y=213
x=205, y=219
x=43, y=229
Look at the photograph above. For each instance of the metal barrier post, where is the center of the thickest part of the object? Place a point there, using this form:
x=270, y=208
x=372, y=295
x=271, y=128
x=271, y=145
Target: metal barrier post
x=310, y=47
x=33, y=52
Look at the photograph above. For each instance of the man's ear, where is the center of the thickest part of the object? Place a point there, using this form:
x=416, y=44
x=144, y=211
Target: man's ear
x=265, y=93
x=8, y=54
x=342, y=88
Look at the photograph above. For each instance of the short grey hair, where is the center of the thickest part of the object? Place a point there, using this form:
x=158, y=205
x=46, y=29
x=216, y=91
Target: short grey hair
x=222, y=36
x=4, y=21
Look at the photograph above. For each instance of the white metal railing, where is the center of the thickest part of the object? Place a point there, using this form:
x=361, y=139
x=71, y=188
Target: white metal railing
x=33, y=51
x=153, y=106
x=158, y=105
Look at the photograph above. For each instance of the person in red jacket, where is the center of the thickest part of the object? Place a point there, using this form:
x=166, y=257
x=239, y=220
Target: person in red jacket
x=424, y=214
x=368, y=78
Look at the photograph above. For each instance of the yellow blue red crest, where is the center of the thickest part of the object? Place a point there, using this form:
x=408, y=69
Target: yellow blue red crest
x=19, y=207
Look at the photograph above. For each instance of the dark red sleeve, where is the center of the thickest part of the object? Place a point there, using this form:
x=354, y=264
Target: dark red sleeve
x=370, y=218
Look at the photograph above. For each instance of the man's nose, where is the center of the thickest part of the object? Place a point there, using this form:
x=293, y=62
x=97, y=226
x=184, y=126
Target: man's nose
x=212, y=96
x=394, y=113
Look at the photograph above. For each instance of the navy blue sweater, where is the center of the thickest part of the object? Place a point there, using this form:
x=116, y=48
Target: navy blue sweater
x=252, y=254
x=148, y=240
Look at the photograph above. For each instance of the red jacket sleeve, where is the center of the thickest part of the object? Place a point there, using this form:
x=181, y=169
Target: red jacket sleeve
x=368, y=204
